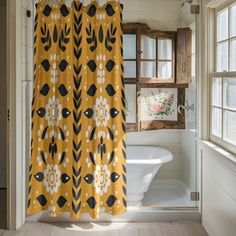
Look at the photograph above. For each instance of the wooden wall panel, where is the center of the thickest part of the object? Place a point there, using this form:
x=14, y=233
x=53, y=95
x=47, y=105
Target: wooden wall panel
x=183, y=56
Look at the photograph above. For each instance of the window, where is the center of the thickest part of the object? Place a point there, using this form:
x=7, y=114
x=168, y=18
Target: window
x=157, y=60
x=130, y=59
x=130, y=78
x=223, y=80
x=153, y=89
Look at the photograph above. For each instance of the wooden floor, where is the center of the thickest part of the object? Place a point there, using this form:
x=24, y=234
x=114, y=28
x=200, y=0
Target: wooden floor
x=100, y=229
x=110, y=229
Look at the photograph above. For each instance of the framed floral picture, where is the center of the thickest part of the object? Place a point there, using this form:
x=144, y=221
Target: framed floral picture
x=159, y=104
x=159, y=108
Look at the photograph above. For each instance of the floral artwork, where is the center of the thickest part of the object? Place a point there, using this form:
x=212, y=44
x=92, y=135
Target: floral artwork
x=159, y=104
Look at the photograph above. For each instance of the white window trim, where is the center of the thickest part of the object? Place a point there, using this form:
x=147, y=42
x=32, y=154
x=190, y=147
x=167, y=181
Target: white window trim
x=220, y=141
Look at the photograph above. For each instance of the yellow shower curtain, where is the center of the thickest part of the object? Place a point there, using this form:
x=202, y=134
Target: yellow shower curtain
x=77, y=161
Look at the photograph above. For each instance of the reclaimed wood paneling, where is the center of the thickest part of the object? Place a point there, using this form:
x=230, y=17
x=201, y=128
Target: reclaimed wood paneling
x=183, y=54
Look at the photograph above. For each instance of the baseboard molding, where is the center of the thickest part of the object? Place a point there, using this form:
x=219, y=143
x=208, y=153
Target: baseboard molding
x=133, y=215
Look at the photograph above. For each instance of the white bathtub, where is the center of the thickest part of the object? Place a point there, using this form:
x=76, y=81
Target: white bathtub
x=143, y=162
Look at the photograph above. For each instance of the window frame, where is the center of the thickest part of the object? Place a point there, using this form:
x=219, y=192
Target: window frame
x=193, y=53
x=162, y=36
x=134, y=81
x=221, y=141
x=142, y=29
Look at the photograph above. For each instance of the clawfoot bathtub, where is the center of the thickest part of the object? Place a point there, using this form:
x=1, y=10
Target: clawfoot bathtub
x=143, y=162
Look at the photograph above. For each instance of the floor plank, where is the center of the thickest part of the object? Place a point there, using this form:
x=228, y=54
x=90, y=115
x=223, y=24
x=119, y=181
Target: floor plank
x=192, y=229
x=147, y=229
x=107, y=229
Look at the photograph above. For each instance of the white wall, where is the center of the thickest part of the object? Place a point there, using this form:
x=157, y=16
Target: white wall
x=158, y=14
x=26, y=79
x=186, y=17
x=218, y=166
x=27, y=41
x=218, y=192
x=3, y=95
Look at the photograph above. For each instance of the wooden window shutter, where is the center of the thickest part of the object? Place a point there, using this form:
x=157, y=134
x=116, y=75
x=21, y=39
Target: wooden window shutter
x=183, y=54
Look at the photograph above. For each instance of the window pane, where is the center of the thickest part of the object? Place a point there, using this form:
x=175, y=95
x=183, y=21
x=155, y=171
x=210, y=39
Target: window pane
x=129, y=41
x=216, y=121
x=222, y=56
x=230, y=93
x=148, y=69
x=130, y=69
x=148, y=47
x=164, y=70
x=233, y=20
x=233, y=55
x=164, y=49
x=222, y=25
x=130, y=103
x=230, y=126
x=217, y=92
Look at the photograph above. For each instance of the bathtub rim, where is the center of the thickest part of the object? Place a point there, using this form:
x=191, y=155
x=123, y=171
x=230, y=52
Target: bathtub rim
x=160, y=160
